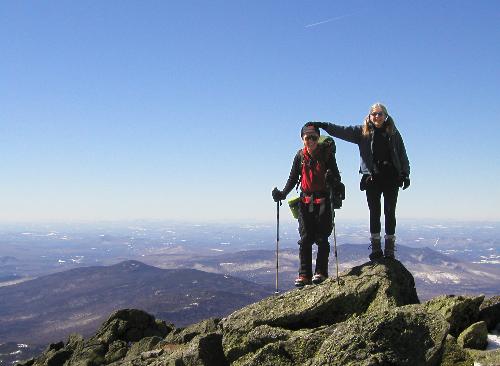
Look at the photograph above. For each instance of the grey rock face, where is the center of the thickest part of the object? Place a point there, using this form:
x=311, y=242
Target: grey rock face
x=110, y=343
x=459, y=311
x=403, y=336
x=144, y=345
x=485, y=358
x=116, y=351
x=490, y=312
x=131, y=325
x=368, y=288
x=454, y=355
x=185, y=335
x=475, y=336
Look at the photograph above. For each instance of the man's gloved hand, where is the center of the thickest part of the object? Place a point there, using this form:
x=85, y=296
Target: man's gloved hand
x=319, y=124
x=405, y=182
x=278, y=195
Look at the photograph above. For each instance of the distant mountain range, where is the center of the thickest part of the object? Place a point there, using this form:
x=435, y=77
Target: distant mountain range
x=51, y=307
x=435, y=273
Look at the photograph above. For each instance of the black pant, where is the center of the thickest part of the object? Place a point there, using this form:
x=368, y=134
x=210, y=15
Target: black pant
x=314, y=228
x=374, y=190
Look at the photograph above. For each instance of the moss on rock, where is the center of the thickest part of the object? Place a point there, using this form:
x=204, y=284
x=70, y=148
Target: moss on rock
x=459, y=311
x=475, y=336
x=454, y=355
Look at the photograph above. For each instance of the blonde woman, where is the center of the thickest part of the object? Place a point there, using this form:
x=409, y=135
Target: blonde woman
x=384, y=168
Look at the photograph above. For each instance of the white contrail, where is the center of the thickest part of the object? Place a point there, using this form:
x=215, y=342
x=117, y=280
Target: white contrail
x=327, y=21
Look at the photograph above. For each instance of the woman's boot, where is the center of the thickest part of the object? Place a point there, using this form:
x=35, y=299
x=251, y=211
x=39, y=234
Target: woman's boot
x=376, y=246
x=389, y=246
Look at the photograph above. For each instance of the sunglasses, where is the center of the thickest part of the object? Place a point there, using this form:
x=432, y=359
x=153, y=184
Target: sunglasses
x=377, y=114
x=311, y=137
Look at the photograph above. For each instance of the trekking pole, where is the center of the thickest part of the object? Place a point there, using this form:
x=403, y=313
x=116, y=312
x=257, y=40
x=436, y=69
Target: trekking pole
x=336, y=256
x=277, y=240
x=334, y=235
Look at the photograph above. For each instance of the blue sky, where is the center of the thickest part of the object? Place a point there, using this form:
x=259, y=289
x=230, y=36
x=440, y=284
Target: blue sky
x=191, y=110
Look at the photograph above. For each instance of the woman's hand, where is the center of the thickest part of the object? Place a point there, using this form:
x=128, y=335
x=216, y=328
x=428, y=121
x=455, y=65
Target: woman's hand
x=405, y=182
x=319, y=124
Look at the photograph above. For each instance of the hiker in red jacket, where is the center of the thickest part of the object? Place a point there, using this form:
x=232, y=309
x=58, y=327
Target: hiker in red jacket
x=315, y=169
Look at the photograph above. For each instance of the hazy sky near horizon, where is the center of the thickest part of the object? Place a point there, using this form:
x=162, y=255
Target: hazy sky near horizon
x=191, y=110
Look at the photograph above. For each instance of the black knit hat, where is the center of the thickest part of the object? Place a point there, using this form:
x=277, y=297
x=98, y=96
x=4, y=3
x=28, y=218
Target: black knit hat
x=309, y=129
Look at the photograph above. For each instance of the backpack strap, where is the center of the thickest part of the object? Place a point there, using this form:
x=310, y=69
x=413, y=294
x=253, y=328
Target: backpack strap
x=301, y=154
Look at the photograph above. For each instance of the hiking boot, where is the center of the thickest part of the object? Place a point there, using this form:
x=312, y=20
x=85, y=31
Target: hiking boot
x=389, y=246
x=302, y=280
x=318, y=278
x=376, y=246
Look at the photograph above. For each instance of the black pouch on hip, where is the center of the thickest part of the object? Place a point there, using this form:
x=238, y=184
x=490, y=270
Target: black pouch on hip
x=364, y=182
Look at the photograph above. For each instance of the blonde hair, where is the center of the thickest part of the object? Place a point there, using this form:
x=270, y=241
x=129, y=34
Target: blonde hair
x=389, y=123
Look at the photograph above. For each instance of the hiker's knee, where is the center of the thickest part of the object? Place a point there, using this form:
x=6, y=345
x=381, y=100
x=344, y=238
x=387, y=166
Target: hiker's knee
x=305, y=242
x=322, y=242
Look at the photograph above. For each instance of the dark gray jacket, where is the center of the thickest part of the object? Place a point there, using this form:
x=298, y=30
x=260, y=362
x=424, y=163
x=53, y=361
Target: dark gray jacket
x=354, y=134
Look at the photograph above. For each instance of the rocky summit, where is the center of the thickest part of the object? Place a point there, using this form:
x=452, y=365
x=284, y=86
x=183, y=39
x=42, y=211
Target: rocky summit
x=370, y=316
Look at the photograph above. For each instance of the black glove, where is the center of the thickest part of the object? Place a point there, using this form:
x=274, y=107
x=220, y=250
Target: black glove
x=278, y=195
x=405, y=182
x=319, y=124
